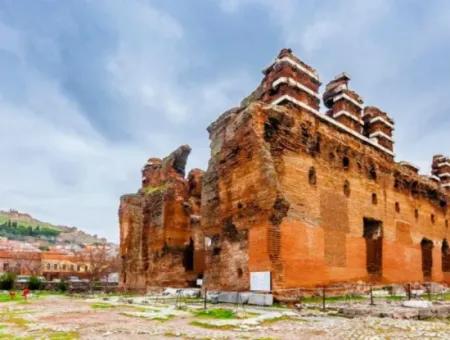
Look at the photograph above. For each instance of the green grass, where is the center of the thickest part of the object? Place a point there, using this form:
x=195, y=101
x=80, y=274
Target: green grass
x=6, y=298
x=162, y=318
x=218, y=313
x=151, y=190
x=281, y=318
x=102, y=305
x=395, y=298
x=332, y=299
x=12, y=317
x=63, y=336
x=211, y=326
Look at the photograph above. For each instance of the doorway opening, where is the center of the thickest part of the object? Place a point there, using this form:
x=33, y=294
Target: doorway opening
x=445, y=256
x=188, y=256
x=426, y=246
x=373, y=235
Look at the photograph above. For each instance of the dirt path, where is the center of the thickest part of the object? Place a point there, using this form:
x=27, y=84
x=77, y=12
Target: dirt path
x=63, y=318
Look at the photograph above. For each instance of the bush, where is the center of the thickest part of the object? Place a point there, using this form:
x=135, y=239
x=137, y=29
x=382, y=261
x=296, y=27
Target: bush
x=7, y=281
x=35, y=283
x=62, y=286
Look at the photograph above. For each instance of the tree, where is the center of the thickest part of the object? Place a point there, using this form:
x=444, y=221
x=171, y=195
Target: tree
x=100, y=260
x=27, y=263
x=7, y=281
x=35, y=283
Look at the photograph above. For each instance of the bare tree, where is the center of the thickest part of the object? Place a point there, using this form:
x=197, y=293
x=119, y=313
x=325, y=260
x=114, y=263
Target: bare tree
x=27, y=263
x=99, y=260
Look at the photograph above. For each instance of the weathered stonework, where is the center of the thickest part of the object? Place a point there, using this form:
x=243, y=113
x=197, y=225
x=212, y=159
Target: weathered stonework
x=313, y=198
x=160, y=225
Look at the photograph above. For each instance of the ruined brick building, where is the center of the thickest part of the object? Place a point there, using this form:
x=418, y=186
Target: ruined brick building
x=311, y=197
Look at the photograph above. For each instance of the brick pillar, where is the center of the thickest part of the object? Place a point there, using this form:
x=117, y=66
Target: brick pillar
x=289, y=80
x=378, y=126
x=441, y=169
x=344, y=105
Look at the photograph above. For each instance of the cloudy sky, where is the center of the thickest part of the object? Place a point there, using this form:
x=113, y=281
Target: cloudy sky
x=90, y=89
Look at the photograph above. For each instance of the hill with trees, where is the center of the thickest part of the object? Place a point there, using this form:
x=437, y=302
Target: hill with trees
x=15, y=225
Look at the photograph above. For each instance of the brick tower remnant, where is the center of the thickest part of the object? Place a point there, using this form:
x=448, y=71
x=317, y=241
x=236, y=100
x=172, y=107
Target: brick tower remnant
x=344, y=104
x=289, y=79
x=441, y=169
x=378, y=126
x=160, y=225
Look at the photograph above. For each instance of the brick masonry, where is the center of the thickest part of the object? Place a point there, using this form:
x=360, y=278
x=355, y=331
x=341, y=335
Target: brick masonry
x=314, y=198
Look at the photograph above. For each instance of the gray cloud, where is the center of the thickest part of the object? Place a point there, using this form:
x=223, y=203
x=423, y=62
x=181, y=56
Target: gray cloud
x=90, y=89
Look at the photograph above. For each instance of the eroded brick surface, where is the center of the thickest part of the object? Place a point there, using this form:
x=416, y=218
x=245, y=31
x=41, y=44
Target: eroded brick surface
x=314, y=198
x=160, y=225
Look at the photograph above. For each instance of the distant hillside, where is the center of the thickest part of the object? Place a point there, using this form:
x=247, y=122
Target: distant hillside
x=21, y=226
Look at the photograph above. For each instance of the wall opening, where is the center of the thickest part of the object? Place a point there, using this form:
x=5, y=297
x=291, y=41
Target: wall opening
x=373, y=235
x=433, y=219
x=312, y=178
x=346, y=163
x=445, y=251
x=240, y=272
x=347, y=188
x=416, y=213
x=397, y=207
x=372, y=172
x=374, y=199
x=426, y=246
x=188, y=256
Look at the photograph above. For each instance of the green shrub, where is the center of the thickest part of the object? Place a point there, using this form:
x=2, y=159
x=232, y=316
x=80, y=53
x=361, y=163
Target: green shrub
x=7, y=281
x=62, y=286
x=35, y=283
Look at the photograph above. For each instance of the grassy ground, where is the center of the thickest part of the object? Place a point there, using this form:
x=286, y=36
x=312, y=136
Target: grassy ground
x=5, y=297
x=217, y=313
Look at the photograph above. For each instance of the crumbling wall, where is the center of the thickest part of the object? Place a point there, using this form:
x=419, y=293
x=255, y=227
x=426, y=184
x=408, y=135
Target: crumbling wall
x=289, y=190
x=160, y=223
x=328, y=182
x=241, y=204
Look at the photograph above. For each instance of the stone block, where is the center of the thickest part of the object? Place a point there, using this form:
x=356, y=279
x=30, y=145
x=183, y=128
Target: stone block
x=170, y=292
x=417, y=304
x=260, y=299
x=190, y=292
x=212, y=297
x=436, y=288
x=229, y=297
x=425, y=313
x=442, y=311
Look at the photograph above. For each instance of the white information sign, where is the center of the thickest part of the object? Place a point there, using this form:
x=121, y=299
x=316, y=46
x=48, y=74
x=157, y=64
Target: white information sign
x=260, y=281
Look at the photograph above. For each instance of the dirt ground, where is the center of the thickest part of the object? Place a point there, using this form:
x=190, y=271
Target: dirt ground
x=60, y=317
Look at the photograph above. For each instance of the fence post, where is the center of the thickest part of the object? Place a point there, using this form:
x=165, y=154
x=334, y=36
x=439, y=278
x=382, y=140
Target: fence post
x=409, y=291
x=323, y=299
x=429, y=292
x=204, y=299
x=300, y=299
x=371, y=296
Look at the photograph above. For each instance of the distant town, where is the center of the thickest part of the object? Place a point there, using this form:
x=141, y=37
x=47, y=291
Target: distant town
x=32, y=248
